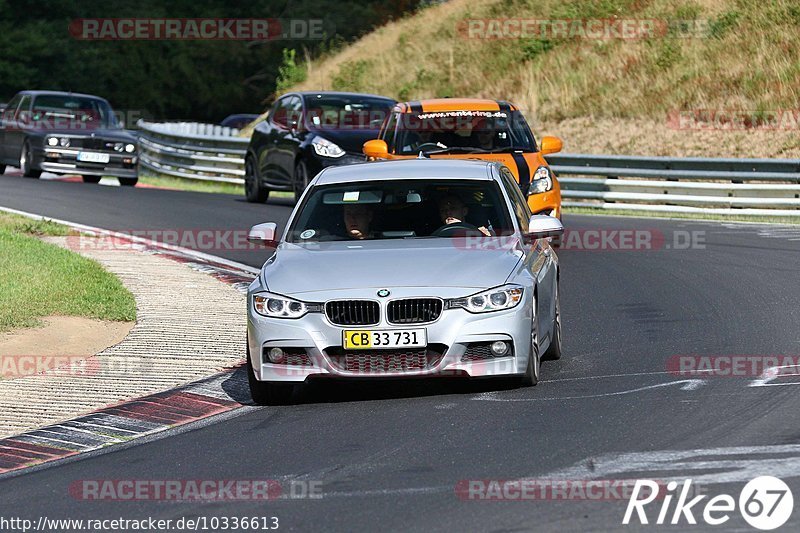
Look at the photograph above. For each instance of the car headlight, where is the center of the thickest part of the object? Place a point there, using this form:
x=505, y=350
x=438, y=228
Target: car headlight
x=64, y=142
x=277, y=306
x=52, y=141
x=130, y=148
x=325, y=148
x=542, y=181
x=118, y=147
x=496, y=299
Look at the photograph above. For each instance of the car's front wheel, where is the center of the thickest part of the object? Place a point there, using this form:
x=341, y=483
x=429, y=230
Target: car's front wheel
x=128, y=182
x=554, y=350
x=300, y=180
x=254, y=191
x=267, y=392
x=91, y=179
x=26, y=162
x=531, y=376
x=2, y=169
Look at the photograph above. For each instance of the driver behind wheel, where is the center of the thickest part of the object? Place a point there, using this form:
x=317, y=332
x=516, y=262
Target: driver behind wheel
x=357, y=221
x=452, y=210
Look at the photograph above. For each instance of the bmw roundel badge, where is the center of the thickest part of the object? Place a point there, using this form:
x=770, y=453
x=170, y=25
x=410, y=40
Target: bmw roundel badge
x=383, y=293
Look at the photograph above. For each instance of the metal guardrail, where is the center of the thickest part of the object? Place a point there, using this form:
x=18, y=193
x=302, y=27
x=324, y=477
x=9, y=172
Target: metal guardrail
x=680, y=185
x=191, y=150
x=666, y=184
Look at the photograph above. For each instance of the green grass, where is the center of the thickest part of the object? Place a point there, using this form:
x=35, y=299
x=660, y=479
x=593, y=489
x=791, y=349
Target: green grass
x=39, y=279
x=202, y=186
x=20, y=224
x=688, y=216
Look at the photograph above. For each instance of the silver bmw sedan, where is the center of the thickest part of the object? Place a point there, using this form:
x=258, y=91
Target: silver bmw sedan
x=405, y=269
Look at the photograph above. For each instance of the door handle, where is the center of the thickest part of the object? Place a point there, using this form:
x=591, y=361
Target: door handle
x=548, y=252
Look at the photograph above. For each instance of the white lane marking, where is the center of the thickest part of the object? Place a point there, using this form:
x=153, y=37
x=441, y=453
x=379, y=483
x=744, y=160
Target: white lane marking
x=91, y=229
x=688, y=384
x=774, y=372
x=604, y=376
x=732, y=464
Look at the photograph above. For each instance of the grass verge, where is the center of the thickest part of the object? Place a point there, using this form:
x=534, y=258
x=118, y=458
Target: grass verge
x=39, y=279
x=181, y=184
x=688, y=216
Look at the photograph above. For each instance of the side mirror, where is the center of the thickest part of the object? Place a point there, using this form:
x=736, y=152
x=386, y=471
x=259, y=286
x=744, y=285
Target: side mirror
x=376, y=149
x=551, y=145
x=542, y=226
x=264, y=234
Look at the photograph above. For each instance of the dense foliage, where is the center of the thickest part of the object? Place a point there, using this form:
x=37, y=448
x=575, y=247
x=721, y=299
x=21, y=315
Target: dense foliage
x=193, y=79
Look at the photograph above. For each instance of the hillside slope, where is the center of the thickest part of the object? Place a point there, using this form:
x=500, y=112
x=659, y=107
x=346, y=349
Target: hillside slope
x=706, y=77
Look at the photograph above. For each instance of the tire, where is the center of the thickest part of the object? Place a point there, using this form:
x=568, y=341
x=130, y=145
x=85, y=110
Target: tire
x=300, y=180
x=25, y=162
x=91, y=179
x=553, y=352
x=253, y=190
x=128, y=182
x=267, y=392
x=2, y=169
x=531, y=377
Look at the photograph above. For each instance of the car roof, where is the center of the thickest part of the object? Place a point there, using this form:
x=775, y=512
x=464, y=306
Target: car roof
x=455, y=104
x=455, y=169
x=58, y=93
x=307, y=94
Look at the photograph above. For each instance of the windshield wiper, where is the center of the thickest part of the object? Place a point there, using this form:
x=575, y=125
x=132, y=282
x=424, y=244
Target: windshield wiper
x=510, y=149
x=458, y=150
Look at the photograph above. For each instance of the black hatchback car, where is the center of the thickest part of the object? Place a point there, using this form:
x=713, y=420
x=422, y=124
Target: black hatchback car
x=66, y=133
x=306, y=132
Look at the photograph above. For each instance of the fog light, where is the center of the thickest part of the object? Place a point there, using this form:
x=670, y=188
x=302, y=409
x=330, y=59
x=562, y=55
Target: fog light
x=276, y=355
x=52, y=155
x=499, y=347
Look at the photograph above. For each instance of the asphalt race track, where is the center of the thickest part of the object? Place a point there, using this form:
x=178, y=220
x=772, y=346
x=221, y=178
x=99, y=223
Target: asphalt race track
x=390, y=456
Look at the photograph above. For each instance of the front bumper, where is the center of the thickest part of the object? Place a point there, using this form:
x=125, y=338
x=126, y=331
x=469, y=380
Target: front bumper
x=64, y=161
x=453, y=331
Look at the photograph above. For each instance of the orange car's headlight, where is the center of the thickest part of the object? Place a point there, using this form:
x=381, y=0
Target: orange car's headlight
x=542, y=181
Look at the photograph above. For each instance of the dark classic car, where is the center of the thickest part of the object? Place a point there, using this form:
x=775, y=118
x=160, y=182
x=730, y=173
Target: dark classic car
x=66, y=133
x=306, y=132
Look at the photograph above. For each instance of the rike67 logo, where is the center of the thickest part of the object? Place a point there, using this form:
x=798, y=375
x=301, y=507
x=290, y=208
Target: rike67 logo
x=765, y=503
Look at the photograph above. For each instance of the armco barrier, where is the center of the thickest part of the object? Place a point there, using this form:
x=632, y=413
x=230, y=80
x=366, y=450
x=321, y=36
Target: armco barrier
x=190, y=150
x=665, y=184
x=680, y=185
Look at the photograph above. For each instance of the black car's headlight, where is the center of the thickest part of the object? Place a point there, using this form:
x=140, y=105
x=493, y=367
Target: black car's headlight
x=130, y=148
x=277, y=306
x=542, y=181
x=326, y=148
x=497, y=299
x=57, y=141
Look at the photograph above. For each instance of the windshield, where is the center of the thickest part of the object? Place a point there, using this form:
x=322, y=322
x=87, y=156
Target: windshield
x=401, y=209
x=462, y=132
x=342, y=112
x=72, y=112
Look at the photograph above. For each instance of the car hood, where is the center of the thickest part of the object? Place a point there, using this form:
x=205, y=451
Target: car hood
x=297, y=269
x=349, y=140
x=111, y=134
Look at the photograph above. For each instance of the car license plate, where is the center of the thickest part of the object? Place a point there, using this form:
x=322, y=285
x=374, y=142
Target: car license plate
x=362, y=339
x=93, y=157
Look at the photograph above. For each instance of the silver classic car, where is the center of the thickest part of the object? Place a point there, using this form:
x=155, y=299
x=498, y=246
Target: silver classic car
x=405, y=269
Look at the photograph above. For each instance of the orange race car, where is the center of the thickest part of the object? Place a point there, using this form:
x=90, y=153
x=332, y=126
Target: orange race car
x=475, y=129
